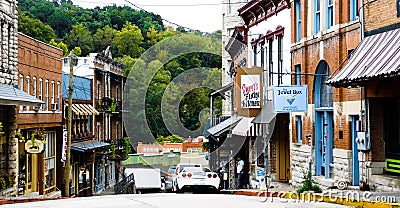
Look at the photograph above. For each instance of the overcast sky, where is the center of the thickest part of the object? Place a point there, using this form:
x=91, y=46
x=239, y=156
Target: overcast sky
x=203, y=15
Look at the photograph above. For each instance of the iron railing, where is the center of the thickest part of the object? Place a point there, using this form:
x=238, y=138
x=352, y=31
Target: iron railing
x=126, y=185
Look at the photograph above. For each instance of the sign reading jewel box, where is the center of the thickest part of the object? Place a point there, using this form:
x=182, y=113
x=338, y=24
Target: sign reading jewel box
x=290, y=98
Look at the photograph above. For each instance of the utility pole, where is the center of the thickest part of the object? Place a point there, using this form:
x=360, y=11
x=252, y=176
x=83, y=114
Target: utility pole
x=69, y=128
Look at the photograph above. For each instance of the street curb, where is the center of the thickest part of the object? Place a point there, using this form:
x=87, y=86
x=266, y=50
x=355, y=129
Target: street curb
x=313, y=198
x=25, y=200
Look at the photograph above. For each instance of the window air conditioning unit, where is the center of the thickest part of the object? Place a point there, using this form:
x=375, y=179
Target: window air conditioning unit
x=36, y=108
x=54, y=106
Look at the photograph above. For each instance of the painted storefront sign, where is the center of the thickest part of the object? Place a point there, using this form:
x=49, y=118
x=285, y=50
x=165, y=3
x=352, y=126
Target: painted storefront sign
x=250, y=91
x=290, y=98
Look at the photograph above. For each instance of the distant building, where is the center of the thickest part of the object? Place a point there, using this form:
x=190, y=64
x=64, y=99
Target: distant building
x=188, y=146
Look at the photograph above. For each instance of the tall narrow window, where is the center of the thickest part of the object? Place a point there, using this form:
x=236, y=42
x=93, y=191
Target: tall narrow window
x=41, y=92
x=329, y=18
x=98, y=89
x=299, y=128
x=21, y=87
x=298, y=20
x=34, y=86
x=262, y=55
x=117, y=95
x=298, y=74
x=47, y=95
x=49, y=160
x=255, y=55
x=58, y=94
x=270, y=62
x=317, y=16
x=229, y=7
x=52, y=92
x=280, y=59
x=28, y=88
x=353, y=9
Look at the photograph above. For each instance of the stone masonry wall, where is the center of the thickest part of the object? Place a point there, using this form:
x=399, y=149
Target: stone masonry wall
x=299, y=165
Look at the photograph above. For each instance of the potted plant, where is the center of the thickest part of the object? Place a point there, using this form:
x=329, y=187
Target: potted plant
x=113, y=105
x=20, y=137
x=38, y=135
x=1, y=128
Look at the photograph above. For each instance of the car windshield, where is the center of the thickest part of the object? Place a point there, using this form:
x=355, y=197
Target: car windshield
x=193, y=169
x=181, y=167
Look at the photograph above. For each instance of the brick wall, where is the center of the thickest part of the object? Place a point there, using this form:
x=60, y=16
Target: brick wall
x=380, y=13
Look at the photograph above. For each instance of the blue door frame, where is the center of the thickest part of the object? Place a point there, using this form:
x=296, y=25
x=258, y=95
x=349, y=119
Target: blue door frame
x=354, y=152
x=324, y=125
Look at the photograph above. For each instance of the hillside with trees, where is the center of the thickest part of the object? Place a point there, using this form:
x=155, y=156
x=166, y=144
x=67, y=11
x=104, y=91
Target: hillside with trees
x=129, y=32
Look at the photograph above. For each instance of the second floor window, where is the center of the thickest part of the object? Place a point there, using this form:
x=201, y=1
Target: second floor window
x=255, y=55
x=317, y=16
x=329, y=18
x=298, y=74
x=270, y=62
x=47, y=95
x=41, y=91
x=298, y=20
x=353, y=9
x=34, y=86
x=280, y=59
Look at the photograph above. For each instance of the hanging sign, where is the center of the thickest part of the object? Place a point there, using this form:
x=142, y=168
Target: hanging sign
x=34, y=147
x=292, y=98
x=64, y=146
x=250, y=91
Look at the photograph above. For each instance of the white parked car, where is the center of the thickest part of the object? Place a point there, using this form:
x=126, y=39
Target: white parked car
x=192, y=178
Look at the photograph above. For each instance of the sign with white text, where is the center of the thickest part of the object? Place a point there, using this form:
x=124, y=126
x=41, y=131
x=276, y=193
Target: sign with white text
x=64, y=146
x=292, y=98
x=250, y=91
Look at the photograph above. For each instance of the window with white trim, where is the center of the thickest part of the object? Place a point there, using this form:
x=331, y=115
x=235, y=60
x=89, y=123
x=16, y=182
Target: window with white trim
x=353, y=9
x=52, y=92
x=21, y=87
x=28, y=88
x=317, y=11
x=58, y=94
x=298, y=20
x=329, y=18
x=41, y=92
x=49, y=160
x=47, y=95
x=34, y=86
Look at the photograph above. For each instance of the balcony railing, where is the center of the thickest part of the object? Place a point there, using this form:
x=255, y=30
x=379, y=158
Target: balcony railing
x=107, y=104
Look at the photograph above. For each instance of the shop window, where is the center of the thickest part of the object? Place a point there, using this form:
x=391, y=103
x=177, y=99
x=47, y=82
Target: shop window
x=49, y=163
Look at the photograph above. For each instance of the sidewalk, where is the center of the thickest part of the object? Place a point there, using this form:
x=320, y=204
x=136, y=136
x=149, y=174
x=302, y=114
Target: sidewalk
x=31, y=197
x=353, y=198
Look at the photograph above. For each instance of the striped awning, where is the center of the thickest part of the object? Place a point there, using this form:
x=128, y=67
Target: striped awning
x=376, y=56
x=83, y=109
x=246, y=128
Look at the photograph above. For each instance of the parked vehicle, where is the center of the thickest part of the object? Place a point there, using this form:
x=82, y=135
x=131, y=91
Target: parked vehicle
x=169, y=177
x=178, y=169
x=148, y=179
x=192, y=177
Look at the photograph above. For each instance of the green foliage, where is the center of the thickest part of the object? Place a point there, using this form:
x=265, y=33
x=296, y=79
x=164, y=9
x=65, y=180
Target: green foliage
x=113, y=105
x=77, y=51
x=20, y=136
x=34, y=28
x=80, y=37
x=129, y=40
x=1, y=128
x=127, y=145
x=60, y=45
x=308, y=184
x=171, y=138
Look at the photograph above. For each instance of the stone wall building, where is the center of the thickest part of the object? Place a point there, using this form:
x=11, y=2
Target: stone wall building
x=10, y=97
x=324, y=33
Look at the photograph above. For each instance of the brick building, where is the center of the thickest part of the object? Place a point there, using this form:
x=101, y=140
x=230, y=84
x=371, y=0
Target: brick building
x=39, y=67
x=106, y=95
x=373, y=70
x=324, y=33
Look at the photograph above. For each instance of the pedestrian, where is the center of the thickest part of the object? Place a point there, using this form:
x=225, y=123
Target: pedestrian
x=240, y=172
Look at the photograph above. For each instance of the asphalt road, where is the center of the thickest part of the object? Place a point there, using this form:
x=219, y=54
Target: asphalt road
x=170, y=200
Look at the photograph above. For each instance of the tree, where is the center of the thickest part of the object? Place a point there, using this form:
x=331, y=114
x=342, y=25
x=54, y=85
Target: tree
x=81, y=37
x=171, y=138
x=61, y=45
x=103, y=38
x=35, y=28
x=129, y=40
